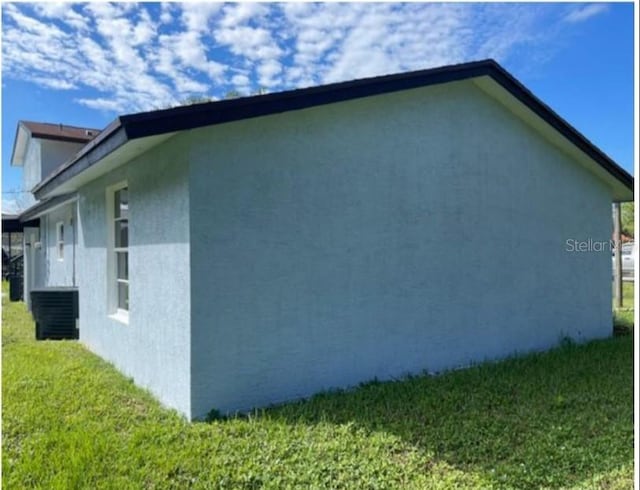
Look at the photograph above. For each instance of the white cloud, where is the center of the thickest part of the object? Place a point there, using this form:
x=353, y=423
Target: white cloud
x=102, y=104
x=166, y=15
x=584, y=12
x=240, y=79
x=267, y=73
x=240, y=13
x=127, y=57
x=62, y=11
x=252, y=43
x=55, y=83
x=196, y=15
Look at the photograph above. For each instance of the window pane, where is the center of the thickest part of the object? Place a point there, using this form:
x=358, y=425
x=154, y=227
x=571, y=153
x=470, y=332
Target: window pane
x=61, y=233
x=122, y=259
x=61, y=250
x=122, y=234
x=121, y=202
x=123, y=296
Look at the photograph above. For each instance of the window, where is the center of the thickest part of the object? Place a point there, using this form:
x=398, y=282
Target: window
x=60, y=239
x=119, y=250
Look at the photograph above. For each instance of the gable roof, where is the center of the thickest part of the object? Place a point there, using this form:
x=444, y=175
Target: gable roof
x=154, y=124
x=47, y=131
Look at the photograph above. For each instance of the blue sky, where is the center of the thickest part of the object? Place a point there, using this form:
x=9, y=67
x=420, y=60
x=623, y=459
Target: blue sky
x=83, y=64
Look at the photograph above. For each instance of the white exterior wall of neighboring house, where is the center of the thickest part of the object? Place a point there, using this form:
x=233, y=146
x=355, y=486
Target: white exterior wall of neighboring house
x=55, y=153
x=43, y=157
x=32, y=170
x=421, y=230
x=154, y=346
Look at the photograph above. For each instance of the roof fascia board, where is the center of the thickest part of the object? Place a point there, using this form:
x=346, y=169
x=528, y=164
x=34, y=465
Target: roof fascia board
x=543, y=111
x=199, y=115
x=108, y=141
x=182, y=118
x=496, y=91
x=153, y=123
x=47, y=206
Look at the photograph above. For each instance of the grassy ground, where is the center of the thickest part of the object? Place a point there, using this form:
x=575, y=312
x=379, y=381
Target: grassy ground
x=558, y=420
x=623, y=318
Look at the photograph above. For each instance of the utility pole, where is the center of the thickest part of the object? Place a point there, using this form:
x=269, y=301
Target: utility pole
x=617, y=275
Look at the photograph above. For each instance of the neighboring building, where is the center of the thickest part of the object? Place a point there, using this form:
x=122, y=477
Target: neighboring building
x=244, y=252
x=49, y=236
x=11, y=245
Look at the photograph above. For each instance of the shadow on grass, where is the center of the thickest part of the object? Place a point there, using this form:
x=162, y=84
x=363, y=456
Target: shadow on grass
x=561, y=418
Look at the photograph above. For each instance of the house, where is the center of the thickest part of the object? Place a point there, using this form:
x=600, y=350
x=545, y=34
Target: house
x=244, y=252
x=12, y=248
x=48, y=227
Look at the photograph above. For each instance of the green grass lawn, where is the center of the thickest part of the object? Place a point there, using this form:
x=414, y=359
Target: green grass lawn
x=563, y=419
x=623, y=318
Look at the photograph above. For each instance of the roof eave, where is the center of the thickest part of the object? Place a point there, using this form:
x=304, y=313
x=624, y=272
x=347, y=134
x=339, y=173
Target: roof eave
x=153, y=123
x=92, y=152
x=46, y=206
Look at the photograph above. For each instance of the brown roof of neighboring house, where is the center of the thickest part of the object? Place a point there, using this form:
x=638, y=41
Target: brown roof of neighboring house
x=60, y=132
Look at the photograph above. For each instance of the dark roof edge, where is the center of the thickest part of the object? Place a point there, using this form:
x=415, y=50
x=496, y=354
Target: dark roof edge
x=198, y=115
x=63, y=172
x=524, y=95
x=12, y=224
x=42, y=207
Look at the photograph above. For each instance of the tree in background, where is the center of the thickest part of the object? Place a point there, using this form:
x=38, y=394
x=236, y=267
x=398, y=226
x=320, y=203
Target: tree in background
x=201, y=99
x=627, y=215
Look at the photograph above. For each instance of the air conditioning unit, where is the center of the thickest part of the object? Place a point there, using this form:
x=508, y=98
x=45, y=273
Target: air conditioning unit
x=55, y=311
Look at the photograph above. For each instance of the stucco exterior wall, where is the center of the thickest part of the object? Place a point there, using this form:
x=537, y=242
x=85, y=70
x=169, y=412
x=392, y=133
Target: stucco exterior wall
x=421, y=230
x=154, y=347
x=58, y=272
x=55, y=153
x=34, y=263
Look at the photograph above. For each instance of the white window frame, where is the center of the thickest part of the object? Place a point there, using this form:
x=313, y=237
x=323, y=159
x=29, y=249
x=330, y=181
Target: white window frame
x=60, y=240
x=114, y=310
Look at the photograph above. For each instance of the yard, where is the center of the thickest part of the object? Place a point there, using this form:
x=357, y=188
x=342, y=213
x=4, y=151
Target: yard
x=560, y=419
x=623, y=318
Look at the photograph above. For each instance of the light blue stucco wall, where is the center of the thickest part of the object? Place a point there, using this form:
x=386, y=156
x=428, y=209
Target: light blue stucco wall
x=43, y=268
x=420, y=230
x=154, y=347
x=58, y=272
x=34, y=263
